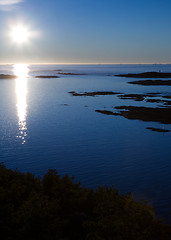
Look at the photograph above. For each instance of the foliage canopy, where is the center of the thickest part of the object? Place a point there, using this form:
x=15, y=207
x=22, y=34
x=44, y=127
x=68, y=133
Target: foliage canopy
x=57, y=208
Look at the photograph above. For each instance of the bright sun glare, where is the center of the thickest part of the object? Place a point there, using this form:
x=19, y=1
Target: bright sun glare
x=20, y=34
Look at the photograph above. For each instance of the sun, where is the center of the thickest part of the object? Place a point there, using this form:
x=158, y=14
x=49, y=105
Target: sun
x=20, y=34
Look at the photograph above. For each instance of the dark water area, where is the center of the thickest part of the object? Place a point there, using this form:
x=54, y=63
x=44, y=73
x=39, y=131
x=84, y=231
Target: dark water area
x=43, y=126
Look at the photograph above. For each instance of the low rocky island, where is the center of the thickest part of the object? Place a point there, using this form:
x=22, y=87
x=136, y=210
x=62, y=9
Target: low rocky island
x=146, y=75
x=65, y=73
x=92, y=94
x=161, y=115
x=152, y=82
x=7, y=76
x=46, y=76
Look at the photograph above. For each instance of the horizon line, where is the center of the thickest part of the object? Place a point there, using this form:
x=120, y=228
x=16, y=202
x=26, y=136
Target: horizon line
x=92, y=63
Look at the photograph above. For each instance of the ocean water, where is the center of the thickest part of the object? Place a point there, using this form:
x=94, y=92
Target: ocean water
x=42, y=126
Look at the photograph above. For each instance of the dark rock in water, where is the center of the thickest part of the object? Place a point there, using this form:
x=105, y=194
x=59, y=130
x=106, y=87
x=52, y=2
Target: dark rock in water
x=107, y=112
x=146, y=75
x=46, y=76
x=154, y=100
x=63, y=73
x=92, y=94
x=157, y=129
x=162, y=115
x=153, y=94
x=136, y=97
x=6, y=76
x=141, y=97
x=168, y=97
x=152, y=82
x=165, y=102
x=168, y=103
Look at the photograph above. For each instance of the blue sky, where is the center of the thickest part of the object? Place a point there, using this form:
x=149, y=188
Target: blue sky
x=84, y=31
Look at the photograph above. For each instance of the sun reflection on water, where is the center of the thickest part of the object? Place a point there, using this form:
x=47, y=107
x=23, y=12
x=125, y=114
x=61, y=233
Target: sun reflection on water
x=21, y=71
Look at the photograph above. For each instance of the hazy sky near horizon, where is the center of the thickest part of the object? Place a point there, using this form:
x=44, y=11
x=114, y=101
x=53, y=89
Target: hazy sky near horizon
x=87, y=31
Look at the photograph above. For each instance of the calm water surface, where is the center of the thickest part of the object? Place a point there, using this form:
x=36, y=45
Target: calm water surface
x=43, y=126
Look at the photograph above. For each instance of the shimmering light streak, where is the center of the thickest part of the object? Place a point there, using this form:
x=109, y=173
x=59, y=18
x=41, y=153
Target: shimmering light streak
x=21, y=71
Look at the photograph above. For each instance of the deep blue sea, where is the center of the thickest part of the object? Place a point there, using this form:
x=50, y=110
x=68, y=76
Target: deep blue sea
x=43, y=126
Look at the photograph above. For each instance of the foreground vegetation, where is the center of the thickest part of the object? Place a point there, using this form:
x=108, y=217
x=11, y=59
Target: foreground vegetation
x=57, y=208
